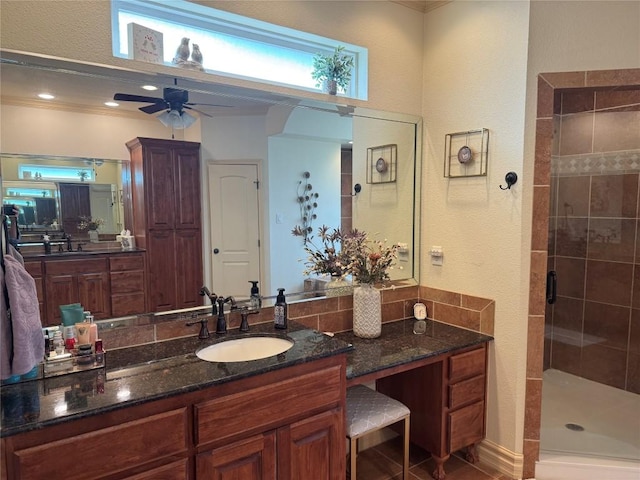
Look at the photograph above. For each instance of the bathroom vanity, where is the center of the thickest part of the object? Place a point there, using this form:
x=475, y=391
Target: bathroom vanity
x=159, y=412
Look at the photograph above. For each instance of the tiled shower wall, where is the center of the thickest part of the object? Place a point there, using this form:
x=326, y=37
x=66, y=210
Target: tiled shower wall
x=593, y=329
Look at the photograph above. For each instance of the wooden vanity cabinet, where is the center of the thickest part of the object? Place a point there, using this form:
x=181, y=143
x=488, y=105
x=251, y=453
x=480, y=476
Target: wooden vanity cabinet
x=288, y=430
x=286, y=424
x=108, y=285
x=447, y=403
x=164, y=184
x=84, y=281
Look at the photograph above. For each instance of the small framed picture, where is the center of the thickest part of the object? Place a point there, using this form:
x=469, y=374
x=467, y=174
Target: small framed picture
x=382, y=163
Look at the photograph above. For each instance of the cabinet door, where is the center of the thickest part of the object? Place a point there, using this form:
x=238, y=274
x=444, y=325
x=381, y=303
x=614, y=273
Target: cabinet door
x=162, y=270
x=187, y=187
x=313, y=448
x=94, y=293
x=188, y=268
x=250, y=459
x=60, y=290
x=160, y=201
x=75, y=202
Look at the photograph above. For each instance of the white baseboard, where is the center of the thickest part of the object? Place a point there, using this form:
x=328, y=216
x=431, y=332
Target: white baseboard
x=505, y=461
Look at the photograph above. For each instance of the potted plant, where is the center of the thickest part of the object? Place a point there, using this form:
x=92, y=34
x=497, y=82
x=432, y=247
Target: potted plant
x=332, y=71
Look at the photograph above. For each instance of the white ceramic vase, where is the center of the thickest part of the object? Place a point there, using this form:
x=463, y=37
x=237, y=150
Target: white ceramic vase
x=93, y=236
x=367, y=311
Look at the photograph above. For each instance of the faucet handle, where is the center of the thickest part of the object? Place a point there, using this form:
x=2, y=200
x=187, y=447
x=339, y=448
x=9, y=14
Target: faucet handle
x=244, y=315
x=204, y=330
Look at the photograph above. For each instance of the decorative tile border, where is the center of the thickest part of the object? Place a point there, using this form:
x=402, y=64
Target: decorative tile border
x=605, y=163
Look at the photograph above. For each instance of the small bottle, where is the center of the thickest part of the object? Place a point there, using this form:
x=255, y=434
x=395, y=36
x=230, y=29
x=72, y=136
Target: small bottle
x=93, y=330
x=58, y=343
x=280, y=310
x=255, y=301
x=99, y=352
x=47, y=344
x=69, y=338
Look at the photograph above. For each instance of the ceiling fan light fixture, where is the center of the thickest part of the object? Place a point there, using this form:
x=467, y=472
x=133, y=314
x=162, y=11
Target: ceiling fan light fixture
x=177, y=120
x=150, y=87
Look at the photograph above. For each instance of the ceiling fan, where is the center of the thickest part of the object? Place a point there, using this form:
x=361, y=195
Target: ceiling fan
x=173, y=102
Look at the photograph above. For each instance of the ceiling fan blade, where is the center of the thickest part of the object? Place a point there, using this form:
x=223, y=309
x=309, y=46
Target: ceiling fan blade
x=125, y=97
x=196, y=110
x=156, y=107
x=209, y=105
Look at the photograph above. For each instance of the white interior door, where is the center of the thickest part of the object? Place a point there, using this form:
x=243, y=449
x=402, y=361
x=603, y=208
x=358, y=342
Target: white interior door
x=102, y=207
x=235, y=228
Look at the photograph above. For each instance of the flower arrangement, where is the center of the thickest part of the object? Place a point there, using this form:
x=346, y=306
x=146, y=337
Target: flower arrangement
x=368, y=261
x=88, y=223
x=352, y=253
x=324, y=259
x=332, y=68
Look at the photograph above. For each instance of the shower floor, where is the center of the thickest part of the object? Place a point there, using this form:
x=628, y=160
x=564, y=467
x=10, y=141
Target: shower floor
x=609, y=417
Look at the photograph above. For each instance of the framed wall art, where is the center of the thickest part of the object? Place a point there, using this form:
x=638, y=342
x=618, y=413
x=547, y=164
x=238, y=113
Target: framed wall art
x=382, y=163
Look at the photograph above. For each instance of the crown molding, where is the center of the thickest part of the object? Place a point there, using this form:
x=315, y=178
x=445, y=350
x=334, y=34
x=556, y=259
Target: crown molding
x=423, y=6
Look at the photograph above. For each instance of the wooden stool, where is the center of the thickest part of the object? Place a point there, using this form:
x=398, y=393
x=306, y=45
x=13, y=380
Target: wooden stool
x=368, y=411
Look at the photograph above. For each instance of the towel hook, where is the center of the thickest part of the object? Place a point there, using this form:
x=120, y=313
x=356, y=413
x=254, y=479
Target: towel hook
x=511, y=178
x=357, y=188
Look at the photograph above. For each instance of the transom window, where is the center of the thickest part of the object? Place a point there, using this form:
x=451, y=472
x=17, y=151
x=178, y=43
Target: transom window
x=233, y=45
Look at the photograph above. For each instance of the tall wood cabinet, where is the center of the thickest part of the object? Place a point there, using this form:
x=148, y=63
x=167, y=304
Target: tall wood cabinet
x=164, y=186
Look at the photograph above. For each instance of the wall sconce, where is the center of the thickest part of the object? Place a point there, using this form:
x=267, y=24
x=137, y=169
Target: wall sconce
x=357, y=188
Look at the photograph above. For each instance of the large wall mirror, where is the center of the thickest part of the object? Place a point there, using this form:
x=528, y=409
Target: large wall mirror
x=278, y=139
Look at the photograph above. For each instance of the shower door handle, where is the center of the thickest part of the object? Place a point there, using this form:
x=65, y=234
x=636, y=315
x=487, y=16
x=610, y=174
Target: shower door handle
x=552, y=286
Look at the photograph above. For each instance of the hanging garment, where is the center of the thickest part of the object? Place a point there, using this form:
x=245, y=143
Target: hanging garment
x=27, y=339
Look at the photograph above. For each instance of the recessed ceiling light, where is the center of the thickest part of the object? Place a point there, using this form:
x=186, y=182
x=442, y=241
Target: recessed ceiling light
x=150, y=87
x=112, y=104
x=46, y=96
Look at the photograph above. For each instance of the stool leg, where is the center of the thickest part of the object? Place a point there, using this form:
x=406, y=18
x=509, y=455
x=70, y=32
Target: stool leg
x=353, y=451
x=406, y=449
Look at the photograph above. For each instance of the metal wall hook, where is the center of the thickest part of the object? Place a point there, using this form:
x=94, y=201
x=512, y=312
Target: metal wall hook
x=357, y=188
x=511, y=178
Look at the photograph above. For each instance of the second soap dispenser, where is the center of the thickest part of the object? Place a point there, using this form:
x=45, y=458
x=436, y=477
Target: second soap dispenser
x=255, y=301
x=280, y=310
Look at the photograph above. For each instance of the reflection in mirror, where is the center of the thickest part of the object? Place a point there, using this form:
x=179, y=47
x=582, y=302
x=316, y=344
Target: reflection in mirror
x=256, y=139
x=54, y=194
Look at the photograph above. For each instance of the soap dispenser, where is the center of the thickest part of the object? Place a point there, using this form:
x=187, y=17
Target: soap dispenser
x=255, y=301
x=280, y=310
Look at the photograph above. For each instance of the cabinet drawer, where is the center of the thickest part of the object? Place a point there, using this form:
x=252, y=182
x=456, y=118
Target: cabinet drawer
x=129, y=262
x=467, y=391
x=174, y=471
x=466, y=426
x=86, y=265
x=466, y=365
x=167, y=432
x=268, y=406
x=33, y=268
x=127, y=304
x=125, y=282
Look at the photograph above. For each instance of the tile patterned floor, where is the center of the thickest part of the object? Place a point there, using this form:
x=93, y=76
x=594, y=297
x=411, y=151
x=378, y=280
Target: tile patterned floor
x=384, y=462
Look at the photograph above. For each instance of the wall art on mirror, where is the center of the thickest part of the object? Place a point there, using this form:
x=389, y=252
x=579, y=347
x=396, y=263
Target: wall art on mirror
x=382, y=163
x=466, y=153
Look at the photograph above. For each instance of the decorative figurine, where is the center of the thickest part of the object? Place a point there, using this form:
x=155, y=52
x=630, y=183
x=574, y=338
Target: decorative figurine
x=182, y=53
x=196, y=55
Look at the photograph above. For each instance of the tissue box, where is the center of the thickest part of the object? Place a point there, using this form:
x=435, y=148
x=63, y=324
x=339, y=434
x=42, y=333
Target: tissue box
x=128, y=242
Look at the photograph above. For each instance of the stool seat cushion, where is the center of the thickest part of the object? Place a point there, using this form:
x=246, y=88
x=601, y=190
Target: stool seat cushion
x=368, y=410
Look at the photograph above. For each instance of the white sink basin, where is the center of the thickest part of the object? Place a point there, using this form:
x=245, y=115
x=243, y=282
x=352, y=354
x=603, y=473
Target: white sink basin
x=244, y=349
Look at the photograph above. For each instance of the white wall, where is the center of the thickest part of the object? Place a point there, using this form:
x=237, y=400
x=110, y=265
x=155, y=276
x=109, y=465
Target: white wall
x=475, y=77
x=41, y=131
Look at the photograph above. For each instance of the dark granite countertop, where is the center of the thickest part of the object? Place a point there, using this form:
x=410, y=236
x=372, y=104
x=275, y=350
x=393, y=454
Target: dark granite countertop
x=154, y=371
x=398, y=345
x=145, y=373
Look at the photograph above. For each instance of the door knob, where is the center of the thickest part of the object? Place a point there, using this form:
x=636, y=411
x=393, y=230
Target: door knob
x=216, y=251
